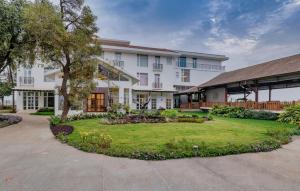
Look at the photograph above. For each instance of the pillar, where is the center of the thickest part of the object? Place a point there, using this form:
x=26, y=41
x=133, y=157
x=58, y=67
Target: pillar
x=256, y=94
x=226, y=95
x=270, y=93
x=121, y=95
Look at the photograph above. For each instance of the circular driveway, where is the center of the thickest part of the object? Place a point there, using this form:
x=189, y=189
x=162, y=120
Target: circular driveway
x=32, y=160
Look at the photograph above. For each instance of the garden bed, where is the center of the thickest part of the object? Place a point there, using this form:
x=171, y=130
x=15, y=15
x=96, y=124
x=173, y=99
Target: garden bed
x=158, y=141
x=6, y=120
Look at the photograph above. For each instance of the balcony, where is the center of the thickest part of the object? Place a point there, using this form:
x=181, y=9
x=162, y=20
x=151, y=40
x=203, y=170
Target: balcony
x=157, y=67
x=118, y=63
x=157, y=85
x=204, y=67
x=26, y=81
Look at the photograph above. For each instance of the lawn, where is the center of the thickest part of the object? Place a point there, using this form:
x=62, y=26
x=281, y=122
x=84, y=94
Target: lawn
x=221, y=136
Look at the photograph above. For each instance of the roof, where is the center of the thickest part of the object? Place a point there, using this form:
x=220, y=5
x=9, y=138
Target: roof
x=112, y=43
x=286, y=65
x=190, y=90
x=110, y=67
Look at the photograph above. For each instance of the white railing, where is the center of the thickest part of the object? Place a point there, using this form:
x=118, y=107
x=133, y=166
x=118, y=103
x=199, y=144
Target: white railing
x=157, y=67
x=27, y=81
x=206, y=67
x=157, y=85
x=118, y=63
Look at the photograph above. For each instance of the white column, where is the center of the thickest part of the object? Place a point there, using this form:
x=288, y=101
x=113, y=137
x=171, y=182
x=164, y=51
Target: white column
x=121, y=95
x=56, y=100
x=130, y=98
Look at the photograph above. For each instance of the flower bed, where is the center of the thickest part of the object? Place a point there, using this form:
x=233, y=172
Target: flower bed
x=61, y=129
x=10, y=119
x=135, y=119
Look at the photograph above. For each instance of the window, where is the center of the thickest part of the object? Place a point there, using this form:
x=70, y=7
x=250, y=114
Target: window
x=157, y=59
x=30, y=100
x=143, y=77
x=169, y=60
x=185, y=75
x=118, y=56
x=153, y=103
x=182, y=62
x=194, y=62
x=49, y=99
x=142, y=60
x=168, y=103
x=177, y=75
x=142, y=101
x=195, y=97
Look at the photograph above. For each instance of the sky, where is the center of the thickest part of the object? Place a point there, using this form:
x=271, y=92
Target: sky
x=247, y=31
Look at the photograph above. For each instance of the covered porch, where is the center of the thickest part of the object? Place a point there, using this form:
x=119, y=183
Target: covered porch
x=246, y=82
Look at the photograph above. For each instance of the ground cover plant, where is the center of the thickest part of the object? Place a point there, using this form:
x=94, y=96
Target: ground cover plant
x=44, y=111
x=158, y=141
x=240, y=112
x=6, y=120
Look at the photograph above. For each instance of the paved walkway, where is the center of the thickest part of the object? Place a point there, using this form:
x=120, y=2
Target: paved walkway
x=32, y=160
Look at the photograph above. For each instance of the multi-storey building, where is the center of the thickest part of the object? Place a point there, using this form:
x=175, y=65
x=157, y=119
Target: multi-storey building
x=141, y=77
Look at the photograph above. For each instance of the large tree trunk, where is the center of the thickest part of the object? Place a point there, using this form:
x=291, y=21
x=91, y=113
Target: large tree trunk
x=64, y=92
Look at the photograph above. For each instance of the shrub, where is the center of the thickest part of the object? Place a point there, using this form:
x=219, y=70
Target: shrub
x=170, y=113
x=45, y=109
x=95, y=140
x=54, y=120
x=61, y=129
x=239, y=112
x=290, y=115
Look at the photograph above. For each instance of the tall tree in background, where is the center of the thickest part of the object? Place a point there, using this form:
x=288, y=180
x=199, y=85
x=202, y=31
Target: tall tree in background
x=11, y=34
x=12, y=41
x=65, y=35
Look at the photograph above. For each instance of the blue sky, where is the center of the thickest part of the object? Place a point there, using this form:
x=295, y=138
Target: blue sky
x=248, y=31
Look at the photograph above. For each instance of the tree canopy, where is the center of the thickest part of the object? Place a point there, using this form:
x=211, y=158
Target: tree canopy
x=11, y=33
x=65, y=35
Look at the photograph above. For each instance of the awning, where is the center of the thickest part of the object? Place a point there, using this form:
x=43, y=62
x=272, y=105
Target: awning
x=31, y=89
x=143, y=90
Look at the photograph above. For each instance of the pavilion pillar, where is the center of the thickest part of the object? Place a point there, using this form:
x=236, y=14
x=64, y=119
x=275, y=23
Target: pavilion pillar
x=270, y=93
x=189, y=100
x=256, y=94
x=226, y=96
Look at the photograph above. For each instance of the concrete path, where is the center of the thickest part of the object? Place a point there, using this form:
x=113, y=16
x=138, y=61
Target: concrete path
x=32, y=160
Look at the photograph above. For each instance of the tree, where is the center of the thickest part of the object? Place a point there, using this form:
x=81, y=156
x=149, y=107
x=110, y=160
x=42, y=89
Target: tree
x=11, y=34
x=65, y=35
x=5, y=90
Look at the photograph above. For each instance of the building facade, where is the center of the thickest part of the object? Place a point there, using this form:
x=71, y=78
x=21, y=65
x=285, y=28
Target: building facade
x=140, y=77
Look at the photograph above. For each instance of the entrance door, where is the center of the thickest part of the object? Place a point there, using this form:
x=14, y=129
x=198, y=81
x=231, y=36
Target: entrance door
x=96, y=102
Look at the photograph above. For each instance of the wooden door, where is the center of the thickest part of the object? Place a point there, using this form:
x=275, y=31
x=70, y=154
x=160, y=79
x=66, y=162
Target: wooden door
x=96, y=102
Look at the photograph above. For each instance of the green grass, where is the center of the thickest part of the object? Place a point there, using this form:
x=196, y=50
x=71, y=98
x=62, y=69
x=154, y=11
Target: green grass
x=221, y=136
x=46, y=113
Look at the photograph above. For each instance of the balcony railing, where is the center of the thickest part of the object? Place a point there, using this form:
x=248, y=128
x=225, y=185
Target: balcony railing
x=26, y=81
x=157, y=67
x=118, y=63
x=157, y=85
x=206, y=67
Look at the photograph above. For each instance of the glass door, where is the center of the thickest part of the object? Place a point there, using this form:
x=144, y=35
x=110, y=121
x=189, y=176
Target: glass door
x=30, y=100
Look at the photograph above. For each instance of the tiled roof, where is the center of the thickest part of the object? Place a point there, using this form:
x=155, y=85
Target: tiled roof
x=277, y=67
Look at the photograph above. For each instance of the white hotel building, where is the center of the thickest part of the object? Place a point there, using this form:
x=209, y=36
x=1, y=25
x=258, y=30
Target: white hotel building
x=128, y=74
